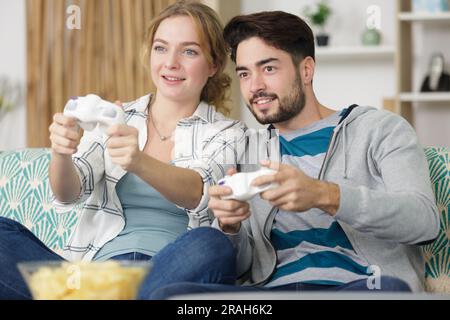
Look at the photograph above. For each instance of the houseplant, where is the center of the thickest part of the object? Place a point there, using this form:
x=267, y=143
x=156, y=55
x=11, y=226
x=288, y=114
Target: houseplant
x=318, y=17
x=10, y=95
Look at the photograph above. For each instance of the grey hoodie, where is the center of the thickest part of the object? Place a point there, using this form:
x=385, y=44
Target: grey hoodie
x=387, y=207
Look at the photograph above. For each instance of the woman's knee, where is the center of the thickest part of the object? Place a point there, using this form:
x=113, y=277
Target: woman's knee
x=169, y=291
x=7, y=224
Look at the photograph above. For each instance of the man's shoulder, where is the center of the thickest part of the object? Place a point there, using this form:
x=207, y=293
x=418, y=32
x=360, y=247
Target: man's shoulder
x=372, y=118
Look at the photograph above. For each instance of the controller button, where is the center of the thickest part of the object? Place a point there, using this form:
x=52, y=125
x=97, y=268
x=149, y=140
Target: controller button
x=71, y=105
x=110, y=113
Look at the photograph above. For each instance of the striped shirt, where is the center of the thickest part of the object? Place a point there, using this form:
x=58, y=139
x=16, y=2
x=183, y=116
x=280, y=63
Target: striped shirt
x=206, y=142
x=311, y=246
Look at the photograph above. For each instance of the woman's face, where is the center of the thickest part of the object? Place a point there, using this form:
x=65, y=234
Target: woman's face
x=179, y=68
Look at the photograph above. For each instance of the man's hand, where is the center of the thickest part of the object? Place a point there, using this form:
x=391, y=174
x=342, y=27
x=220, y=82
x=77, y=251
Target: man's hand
x=229, y=213
x=297, y=192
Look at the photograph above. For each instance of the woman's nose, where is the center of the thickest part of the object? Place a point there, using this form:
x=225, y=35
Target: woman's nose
x=172, y=61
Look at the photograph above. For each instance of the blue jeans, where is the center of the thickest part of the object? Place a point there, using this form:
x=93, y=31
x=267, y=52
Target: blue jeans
x=199, y=261
x=203, y=261
x=18, y=244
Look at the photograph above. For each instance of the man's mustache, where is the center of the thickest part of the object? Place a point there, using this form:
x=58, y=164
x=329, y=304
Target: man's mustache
x=263, y=94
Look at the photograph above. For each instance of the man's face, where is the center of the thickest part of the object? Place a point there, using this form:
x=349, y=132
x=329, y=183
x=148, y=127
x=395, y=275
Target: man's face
x=270, y=83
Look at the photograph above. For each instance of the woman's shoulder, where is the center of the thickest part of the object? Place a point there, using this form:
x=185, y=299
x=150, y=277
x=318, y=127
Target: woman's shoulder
x=216, y=118
x=139, y=105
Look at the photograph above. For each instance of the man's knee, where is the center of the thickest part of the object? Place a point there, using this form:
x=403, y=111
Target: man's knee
x=392, y=284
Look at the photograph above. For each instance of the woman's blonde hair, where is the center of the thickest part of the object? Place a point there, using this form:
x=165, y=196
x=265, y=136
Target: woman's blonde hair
x=210, y=32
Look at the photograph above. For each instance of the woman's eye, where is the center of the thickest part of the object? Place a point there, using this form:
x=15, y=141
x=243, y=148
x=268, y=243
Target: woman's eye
x=190, y=52
x=159, y=49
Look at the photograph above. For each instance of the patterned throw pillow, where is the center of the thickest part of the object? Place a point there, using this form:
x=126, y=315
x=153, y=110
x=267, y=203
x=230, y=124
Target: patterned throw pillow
x=25, y=196
x=437, y=254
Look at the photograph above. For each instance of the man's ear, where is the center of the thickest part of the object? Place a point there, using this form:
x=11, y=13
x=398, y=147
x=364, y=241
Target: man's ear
x=307, y=67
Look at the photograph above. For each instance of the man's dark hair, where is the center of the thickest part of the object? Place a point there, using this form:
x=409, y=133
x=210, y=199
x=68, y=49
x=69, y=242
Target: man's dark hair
x=279, y=29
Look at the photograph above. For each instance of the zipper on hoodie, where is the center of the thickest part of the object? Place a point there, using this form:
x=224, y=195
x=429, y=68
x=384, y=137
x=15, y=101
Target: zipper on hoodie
x=274, y=210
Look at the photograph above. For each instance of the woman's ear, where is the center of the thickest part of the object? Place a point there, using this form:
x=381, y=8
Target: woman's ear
x=213, y=70
x=307, y=67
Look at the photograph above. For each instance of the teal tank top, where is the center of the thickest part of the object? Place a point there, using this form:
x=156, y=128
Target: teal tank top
x=151, y=221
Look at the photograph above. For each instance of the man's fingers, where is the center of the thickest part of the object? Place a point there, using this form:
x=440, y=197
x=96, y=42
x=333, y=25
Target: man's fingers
x=233, y=220
x=266, y=179
x=276, y=193
x=218, y=191
x=270, y=164
x=242, y=213
x=216, y=203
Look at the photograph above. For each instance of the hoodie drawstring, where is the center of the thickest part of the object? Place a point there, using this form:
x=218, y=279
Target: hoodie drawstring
x=344, y=146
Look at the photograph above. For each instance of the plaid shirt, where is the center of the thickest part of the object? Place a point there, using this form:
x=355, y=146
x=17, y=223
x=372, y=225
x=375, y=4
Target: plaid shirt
x=206, y=142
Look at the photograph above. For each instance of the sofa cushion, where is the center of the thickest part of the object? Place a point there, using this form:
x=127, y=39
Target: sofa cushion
x=25, y=196
x=437, y=254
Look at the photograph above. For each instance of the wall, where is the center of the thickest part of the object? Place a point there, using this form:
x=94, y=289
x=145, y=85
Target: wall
x=13, y=66
x=340, y=82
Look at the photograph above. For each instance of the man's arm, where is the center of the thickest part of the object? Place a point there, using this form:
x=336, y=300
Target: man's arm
x=402, y=210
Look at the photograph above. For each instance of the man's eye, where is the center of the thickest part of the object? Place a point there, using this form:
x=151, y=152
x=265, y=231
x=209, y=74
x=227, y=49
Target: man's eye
x=242, y=75
x=270, y=69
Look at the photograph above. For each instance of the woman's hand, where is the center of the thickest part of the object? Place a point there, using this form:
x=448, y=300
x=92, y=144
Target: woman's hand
x=65, y=135
x=123, y=146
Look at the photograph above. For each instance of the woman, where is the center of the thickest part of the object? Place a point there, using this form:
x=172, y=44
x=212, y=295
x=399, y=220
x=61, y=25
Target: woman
x=146, y=182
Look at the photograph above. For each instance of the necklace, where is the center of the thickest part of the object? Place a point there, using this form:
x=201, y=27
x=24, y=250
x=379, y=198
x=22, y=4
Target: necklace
x=161, y=137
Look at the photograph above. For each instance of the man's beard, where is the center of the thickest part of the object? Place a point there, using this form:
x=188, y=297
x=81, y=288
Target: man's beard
x=289, y=106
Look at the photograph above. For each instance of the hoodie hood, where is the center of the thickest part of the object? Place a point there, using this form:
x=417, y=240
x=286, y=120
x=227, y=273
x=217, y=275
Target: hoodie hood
x=352, y=113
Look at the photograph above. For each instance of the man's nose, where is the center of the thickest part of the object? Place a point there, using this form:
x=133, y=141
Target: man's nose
x=257, y=84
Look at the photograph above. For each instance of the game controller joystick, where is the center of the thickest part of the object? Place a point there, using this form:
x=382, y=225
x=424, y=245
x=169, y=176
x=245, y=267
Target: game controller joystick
x=91, y=111
x=240, y=183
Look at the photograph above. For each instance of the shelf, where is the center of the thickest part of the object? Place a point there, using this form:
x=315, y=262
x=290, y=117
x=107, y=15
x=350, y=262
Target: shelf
x=425, y=16
x=425, y=97
x=352, y=52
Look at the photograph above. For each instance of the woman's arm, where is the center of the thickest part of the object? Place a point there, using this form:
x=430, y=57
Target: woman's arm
x=183, y=187
x=64, y=180
x=65, y=137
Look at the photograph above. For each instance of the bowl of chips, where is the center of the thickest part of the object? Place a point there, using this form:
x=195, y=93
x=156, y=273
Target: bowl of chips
x=62, y=280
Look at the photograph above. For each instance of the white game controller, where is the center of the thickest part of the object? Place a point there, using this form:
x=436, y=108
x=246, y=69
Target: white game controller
x=91, y=111
x=240, y=183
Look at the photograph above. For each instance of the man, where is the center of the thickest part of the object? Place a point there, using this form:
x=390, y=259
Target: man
x=354, y=201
